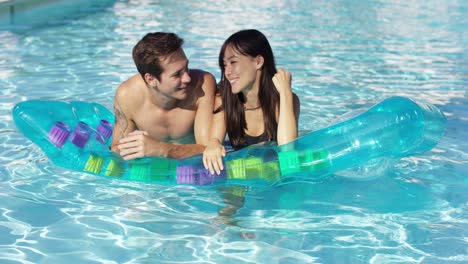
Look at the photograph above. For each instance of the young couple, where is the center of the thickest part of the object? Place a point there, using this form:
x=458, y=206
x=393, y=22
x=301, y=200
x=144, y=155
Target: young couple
x=168, y=110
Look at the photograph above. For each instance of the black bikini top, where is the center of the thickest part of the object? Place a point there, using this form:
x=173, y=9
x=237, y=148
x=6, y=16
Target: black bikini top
x=250, y=140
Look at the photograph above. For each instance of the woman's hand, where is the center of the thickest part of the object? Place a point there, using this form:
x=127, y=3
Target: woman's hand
x=288, y=109
x=213, y=156
x=282, y=81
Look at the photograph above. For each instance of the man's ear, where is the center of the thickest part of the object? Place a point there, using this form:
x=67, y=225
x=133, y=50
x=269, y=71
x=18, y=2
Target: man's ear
x=260, y=60
x=151, y=80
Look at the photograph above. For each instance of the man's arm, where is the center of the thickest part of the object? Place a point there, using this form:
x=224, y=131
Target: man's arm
x=138, y=144
x=175, y=151
x=202, y=123
x=123, y=124
x=204, y=115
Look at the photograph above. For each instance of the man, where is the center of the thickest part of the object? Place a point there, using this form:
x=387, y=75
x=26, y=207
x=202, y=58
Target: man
x=166, y=108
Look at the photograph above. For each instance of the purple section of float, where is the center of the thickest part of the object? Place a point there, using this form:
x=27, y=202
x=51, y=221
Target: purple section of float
x=197, y=176
x=58, y=134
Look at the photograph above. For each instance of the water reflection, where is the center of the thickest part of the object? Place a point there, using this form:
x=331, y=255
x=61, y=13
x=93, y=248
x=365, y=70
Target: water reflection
x=343, y=55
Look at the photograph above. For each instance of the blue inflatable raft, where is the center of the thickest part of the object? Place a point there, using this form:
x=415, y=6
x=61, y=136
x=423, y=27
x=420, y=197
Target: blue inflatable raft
x=76, y=135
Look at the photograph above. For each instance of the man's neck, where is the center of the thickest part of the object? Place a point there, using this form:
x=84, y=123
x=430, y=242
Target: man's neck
x=160, y=100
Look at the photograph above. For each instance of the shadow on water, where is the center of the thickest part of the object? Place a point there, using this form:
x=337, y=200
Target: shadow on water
x=301, y=205
x=387, y=194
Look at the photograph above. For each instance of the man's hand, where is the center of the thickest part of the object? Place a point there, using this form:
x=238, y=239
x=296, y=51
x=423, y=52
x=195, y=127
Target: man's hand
x=136, y=144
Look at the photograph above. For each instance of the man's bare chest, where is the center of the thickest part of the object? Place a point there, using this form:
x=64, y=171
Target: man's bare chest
x=170, y=125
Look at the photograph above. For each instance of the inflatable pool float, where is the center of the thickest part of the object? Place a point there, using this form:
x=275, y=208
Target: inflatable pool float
x=76, y=135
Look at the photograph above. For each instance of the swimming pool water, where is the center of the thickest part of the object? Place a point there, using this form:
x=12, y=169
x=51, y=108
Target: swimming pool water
x=343, y=55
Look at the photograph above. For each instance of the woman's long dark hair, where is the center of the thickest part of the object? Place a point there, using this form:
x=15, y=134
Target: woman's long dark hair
x=251, y=43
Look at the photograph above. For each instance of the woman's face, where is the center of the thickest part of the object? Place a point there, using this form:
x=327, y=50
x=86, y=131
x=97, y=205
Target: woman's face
x=239, y=70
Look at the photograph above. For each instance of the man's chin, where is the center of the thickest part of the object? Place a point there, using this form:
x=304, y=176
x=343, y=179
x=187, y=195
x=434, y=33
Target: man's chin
x=181, y=96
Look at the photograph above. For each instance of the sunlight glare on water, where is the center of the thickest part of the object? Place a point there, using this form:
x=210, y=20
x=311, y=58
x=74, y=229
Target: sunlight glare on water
x=343, y=55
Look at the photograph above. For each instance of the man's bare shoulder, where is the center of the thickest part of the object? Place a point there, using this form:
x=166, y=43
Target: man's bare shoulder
x=203, y=84
x=199, y=73
x=130, y=91
x=202, y=79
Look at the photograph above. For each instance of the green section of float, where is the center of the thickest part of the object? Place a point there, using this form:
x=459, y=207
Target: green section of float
x=75, y=135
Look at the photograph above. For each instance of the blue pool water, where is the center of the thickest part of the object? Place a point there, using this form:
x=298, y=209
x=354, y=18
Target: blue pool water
x=343, y=55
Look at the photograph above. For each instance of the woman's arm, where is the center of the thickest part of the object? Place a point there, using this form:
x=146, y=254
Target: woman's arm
x=288, y=115
x=215, y=151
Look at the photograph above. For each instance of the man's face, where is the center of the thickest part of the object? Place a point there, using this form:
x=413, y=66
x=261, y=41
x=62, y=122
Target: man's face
x=175, y=78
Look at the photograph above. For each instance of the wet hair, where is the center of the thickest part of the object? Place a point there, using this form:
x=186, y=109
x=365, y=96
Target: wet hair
x=251, y=43
x=151, y=49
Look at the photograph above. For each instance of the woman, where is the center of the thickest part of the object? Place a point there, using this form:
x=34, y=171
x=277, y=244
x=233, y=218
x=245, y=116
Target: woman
x=256, y=102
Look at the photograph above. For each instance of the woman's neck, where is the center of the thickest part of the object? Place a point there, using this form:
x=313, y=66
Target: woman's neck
x=251, y=96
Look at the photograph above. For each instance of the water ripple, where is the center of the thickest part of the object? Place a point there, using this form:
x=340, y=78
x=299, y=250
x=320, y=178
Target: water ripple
x=343, y=55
